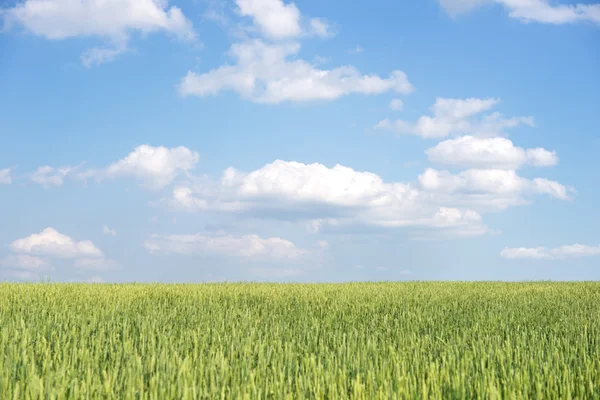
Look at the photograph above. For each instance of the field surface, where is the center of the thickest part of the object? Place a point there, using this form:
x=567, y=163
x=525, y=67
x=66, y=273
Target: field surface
x=335, y=341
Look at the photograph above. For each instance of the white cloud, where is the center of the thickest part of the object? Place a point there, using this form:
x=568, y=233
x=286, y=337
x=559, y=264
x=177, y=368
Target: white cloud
x=396, y=104
x=356, y=50
x=543, y=253
x=456, y=116
x=329, y=197
x=270, y=73
x=111, y=20
x=457, y=109
x=496, y=152
x=277, y=20
x=498, y=187
x=32, y=253
x=51, y=243
x=274, y=18
x=551, y=188
x=49, y=176
x=101, y=55
x=540, y=157
x=323, y=244
x=155, y=166
x=107, y=231
x=532, y=10
x=5, y=176
x=319, y=27
x=340, y=198
x=246, y=246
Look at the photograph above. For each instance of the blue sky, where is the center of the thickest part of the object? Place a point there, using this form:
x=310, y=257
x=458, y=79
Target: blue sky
x=214, y=140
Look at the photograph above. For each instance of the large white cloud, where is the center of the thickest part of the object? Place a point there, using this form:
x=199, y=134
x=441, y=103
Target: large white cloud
x=495, y=152
x=315, y=191
x=51, y=243
x=340, y=198
x=245, y=246
x=5, y=176
x=270, y=73
x=456, y=116
x=543, y=253
x=532, y=10
x=111, y=20
x=156, y=167
x=329, y=198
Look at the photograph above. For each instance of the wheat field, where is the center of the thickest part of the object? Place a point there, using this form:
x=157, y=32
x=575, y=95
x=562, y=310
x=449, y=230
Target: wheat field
x=413, y=340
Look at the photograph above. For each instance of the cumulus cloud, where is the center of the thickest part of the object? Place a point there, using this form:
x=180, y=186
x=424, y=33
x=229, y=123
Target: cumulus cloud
x=340, y=196
x=51, y=243
x=33, y=253
x=110, y=20
x=456, y=116
x=156, y=167
x=277, y=20
x=49, y=176
x=5, y=176
x=273, y=17
x=532, y=10
x=496, y=188
x=543, y=253
x=330, y=198
x=246, y=246
x=494, y=153
x=271, y=73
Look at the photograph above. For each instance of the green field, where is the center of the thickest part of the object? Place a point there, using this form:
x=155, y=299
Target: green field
x=358, y=340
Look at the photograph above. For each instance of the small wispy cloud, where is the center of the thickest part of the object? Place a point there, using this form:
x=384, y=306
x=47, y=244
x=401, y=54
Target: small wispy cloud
x=108, y=231
x=356, y=50
x=556, y=253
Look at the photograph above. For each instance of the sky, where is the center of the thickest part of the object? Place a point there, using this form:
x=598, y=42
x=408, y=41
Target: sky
x=305, y=141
